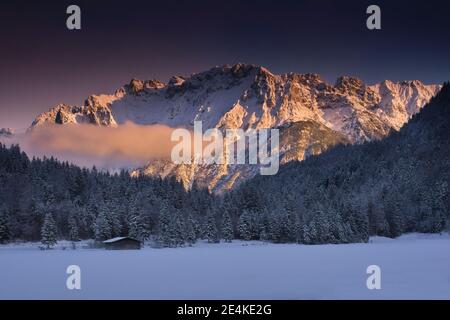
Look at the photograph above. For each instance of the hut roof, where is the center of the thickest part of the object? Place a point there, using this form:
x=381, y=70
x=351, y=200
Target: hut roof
x=116, y=239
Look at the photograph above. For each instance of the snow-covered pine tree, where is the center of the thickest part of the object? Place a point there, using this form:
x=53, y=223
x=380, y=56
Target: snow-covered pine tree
x=264, y=227
x=358, y=219
x=166, y=237
x=285, y=226
x=211, y=228
x=306, y=234
x=92, y=210
x=244, y=225
x=197, y=229
x=431, y=210
x=73, y=228
x=227, y=228
x=310, y=233
x=102, y=226
x=190, y=235
x=136, y=228
x=323, y=226
x=4, y=232
x=295, y=228
x=179, y=229
x=394, y=215
x=114, y=218
x=48, y=231
x=273, y=227
x=342, y=231
x=255, y=224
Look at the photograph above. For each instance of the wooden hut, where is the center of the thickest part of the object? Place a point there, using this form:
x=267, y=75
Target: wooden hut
x=122, y=243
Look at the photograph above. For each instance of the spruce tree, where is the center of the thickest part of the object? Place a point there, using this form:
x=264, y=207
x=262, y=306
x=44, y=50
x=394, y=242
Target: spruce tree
x=102, y=226
x=73, y=228
x=264, y=227
x=197, y=229
x=306, y=234
x=166, y=237
x=273, y=227
x=310, y=233
x=48, y=231
x=285, y=224
x=227, y=228
x=255, y=224
x=295, y=228
x=136, y=227
x=4, y=232
x=394, y=216
x=244, y=225
x=211, y=228
x=114, y=218
x=178, y=228
x=190, y=235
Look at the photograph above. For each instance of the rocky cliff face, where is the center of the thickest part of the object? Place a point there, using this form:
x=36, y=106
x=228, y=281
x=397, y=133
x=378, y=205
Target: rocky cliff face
x=92, y=112
x=297, y=141
x=312, y=114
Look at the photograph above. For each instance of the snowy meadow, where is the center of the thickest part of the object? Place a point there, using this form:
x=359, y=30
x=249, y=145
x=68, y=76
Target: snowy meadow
x=413, y=266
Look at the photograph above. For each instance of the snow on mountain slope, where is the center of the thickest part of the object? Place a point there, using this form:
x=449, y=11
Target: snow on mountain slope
x=251, y=97
x=248, y=96
x=399, y=101
x=66, y=114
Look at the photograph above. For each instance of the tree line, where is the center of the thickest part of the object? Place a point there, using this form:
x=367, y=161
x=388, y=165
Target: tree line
x=387, y=187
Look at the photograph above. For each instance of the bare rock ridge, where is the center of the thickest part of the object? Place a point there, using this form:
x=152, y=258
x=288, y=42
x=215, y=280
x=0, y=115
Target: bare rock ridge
x=312, y=113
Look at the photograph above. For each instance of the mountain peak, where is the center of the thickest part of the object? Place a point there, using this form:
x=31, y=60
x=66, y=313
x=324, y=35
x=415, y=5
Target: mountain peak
x=238, y=70
x=154, y=84
x=347, y=83
x=176, y=81
x=136, y=85
x=307, y=79
x=412, y=82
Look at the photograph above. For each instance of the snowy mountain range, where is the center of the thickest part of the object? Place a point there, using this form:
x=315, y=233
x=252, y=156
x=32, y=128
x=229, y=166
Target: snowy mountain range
x=312, y=114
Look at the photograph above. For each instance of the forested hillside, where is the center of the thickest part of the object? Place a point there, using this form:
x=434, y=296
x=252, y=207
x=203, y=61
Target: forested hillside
x=388, y=187
x=80, y=204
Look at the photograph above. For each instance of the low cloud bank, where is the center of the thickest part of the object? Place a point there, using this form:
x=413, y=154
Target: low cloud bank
x=126, y=146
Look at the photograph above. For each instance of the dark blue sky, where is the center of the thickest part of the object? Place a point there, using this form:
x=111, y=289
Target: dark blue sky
x=42, y=63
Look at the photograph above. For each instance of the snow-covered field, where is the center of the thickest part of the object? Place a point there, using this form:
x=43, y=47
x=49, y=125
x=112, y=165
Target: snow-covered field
x=413, y=266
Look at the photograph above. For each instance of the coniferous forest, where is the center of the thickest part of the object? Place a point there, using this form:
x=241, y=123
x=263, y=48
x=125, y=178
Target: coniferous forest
x=388, y=187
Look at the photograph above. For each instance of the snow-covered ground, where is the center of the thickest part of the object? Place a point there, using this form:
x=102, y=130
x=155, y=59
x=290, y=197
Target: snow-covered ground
x=414, y=266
